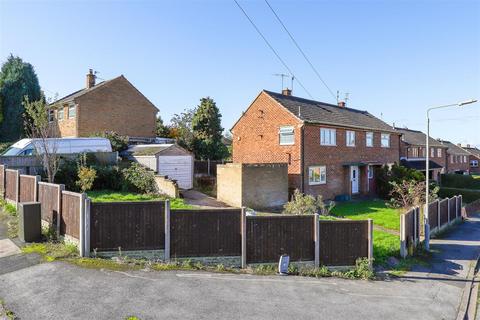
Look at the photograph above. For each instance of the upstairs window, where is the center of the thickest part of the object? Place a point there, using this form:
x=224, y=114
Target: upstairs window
x=328, y=137
x=439, y=152
x=350, y=138
x=385, y=140
x=464, y=159
x=60, y=114
x=451, y=158
x=317, y=175
x=51, y=115
x=72, y=111
x=474, y=163
x=414, y=152
x=369, y=139
x=432, y=152
x=286, y=135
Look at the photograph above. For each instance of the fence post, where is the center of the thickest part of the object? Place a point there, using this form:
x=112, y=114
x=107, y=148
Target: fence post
x=208, y=167
x=461, y=206
x=167, y=230
x=370, y=242
x=456, y=207
x=403, y=242
x=448, y=211
x=415, y=235
x=2, y=183
x=17, y=188
x=61, y=188
x=439, y=223
x=87, y=226
x=82, y=225
x=35, y=192
x=244, y=237
x=316, y=236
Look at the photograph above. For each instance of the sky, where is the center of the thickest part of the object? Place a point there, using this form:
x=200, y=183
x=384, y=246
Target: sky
x=394, y=58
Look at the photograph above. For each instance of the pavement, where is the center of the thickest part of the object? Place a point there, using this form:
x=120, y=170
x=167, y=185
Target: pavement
x=197, y=198
x=62, y=291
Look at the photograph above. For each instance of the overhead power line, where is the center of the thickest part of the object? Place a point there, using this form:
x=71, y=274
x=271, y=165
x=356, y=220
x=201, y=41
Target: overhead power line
x=273, y=49
x=300, y=49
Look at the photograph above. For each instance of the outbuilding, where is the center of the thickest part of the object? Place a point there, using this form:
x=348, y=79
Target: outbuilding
x=168, y=160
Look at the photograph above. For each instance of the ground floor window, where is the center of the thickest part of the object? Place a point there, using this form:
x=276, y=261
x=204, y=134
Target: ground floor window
x=317, y=175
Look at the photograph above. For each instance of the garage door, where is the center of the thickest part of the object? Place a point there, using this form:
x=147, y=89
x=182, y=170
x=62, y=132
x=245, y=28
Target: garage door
x=177, y=168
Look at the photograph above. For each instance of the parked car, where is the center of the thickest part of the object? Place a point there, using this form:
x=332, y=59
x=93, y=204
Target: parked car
x=27, y=147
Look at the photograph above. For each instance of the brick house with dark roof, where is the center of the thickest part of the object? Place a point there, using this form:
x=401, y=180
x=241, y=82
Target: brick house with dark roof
x=413, y=152
x=474, y=159
x=457, y=158
x=330, y=149
x=112, y=105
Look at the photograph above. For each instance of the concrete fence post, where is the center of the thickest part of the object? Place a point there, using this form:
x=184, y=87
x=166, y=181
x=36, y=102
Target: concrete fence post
x=415, y=225
x=316, y=236
x=243, y=228
x=87, y=226
x=17, y=188
x=460, y=198
x=456, y=207
x=82, y=225
x=370, y=242
x=35, y=192
x=439, y=223
x=167, y=230
x=208, y=167
x=403, y=240
x=448, y=211
x=2, y=183
x=61, y=188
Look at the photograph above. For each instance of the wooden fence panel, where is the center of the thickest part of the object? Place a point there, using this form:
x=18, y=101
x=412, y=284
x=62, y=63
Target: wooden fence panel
x=443, y=212
x=28, y=188
x=453, y=206
x=205, y=233
x=11, y=184
x=433, y=214
x=128, y=225
x=459, y=206
x=50, y=199
x=2, y=180
x=70, y=217
x=343, y=242
x=268, y=237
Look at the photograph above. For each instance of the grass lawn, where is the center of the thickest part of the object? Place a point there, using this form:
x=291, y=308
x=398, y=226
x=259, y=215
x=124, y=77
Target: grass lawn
x=373, y=209
x=119, y=196
x=385, y=245
x=476, y=176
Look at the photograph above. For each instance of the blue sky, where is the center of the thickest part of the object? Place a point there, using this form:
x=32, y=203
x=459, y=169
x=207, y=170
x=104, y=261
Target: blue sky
x=395, y=58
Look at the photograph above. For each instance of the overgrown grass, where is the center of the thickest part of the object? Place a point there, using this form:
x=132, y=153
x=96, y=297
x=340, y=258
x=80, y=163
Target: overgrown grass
x=51, y=251
x=373, y=209
x=385, y=245
x=8, y=215
x=119, y=196
x=5, y=313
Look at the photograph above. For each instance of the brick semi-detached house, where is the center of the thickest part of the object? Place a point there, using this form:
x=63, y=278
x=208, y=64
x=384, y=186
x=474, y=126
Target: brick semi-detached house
x=413, y=149
x=457, y=158
x=331, y=150
x=113, y=105
x=474, y=158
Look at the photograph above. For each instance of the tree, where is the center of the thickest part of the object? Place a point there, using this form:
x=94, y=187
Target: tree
x=17, y=80
x=409, y=193
x=118, y=142
x=207, y=131
x=161, y=129
x=181, y=128
x=38, y=126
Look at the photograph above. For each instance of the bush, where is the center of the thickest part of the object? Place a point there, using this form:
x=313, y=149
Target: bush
x=468, y=195
x=384, y=176
x=108, y=178
x=459, y=181
x=86, y=177
x=306, y=204
x=67, y=174
x=118, y=142
x=4, y=146
x=139, y=179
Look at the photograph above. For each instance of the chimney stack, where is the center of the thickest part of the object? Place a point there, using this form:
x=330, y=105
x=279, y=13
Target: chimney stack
x=459, y=144
x=286, y=92
x=90, y=79
x=468, y=146
x=341, y=104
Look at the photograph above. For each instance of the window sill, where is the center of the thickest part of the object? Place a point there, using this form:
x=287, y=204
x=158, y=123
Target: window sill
x=316, y=183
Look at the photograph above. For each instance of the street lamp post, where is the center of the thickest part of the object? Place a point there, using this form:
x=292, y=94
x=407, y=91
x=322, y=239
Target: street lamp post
x=427, y=167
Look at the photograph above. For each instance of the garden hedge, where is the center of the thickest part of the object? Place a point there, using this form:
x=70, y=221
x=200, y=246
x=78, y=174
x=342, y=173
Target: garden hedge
x=468, y=195
x=459, y=181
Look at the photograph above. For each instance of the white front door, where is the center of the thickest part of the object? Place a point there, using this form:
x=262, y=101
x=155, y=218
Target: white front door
x=354, y=178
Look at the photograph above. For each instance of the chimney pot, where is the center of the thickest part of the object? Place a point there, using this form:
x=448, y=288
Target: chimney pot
x=90, y=79
x=287, y=92
x=341, y=104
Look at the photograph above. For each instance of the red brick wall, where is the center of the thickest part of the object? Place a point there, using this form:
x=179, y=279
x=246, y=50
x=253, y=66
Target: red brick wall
x=256, y=139
x=333, y=157
x=474, y=169
x=458, y=163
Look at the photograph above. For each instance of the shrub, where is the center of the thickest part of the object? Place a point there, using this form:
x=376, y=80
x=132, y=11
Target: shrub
x=468, y=195
x=108, y=178
x=307, y=204
x=459, y=181
x=139, y=179
x=67, y=174
x=410, y=193
x=397, y=173
x=118, y=142
x=86, y=177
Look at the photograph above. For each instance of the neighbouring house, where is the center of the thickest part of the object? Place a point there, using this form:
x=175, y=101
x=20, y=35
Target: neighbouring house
x=112, y=105
x=413, y=152
x=457, y=158
x=168, y=160
x=474, y=159
x=331, y=150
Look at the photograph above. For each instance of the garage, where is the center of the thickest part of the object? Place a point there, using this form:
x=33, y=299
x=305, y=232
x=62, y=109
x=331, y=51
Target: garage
x=168, y=160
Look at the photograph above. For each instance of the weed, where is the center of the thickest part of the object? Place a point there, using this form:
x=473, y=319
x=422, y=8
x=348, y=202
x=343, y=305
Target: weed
x=51, y=251
x=6, y=313
x=265, y=269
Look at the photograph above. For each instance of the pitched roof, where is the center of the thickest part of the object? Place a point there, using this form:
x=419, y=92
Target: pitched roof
x=81, y=92
x=312, y=111
x=419, y=164
x=155, y=149
x=473, y=151
x=454, y=149
x=417, y=138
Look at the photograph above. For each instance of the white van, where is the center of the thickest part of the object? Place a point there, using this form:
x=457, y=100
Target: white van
x=26, y=147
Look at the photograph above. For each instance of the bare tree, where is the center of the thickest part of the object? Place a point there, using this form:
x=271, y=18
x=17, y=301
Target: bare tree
x=42, y=127
x=409, y=193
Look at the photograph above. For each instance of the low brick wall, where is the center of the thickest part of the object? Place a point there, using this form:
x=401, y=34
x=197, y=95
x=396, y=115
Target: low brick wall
x=167, y=186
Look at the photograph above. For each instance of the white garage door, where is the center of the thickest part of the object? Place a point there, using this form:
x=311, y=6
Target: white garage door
x=177, y=168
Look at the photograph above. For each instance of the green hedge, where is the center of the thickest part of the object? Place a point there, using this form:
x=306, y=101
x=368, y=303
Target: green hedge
x=459, y=181
x=4, y=146
x=468, y=195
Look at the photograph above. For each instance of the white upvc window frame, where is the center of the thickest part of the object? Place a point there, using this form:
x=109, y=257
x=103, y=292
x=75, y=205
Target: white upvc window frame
x=474, y=163
x=51, y=115
x=385, y=137
x=328, y=137
x=317, y=178
x=60, y=111
x=349, y=142
x=286, y=131
x=432, y=152
x=369, y=139
x=464, y=159
x=414, y=152
x=74, y=108
x=439, y=152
